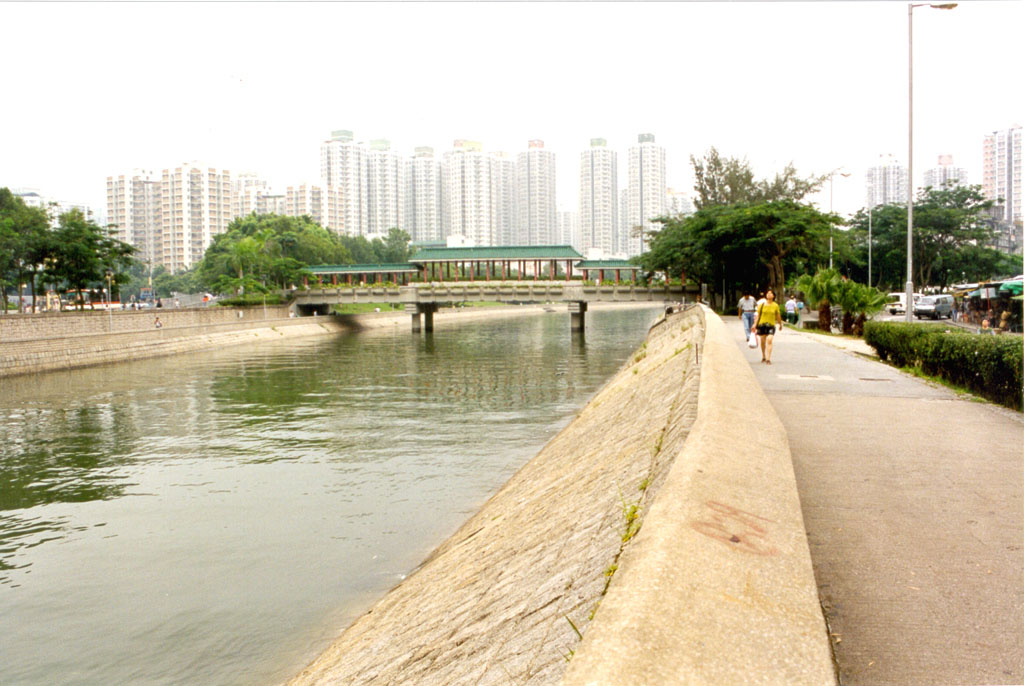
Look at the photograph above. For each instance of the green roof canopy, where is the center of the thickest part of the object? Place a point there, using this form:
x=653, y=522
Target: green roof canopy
x=397, y=267
x=497, y=252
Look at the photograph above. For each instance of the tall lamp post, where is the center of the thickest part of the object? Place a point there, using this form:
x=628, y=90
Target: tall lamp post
x=831, y=176
x=910, y=147
x=110, y=298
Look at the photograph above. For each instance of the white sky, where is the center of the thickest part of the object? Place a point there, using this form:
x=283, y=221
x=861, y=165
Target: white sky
x=96, y=89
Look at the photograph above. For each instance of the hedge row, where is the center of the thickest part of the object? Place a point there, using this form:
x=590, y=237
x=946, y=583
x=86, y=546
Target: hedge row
x=987, y=365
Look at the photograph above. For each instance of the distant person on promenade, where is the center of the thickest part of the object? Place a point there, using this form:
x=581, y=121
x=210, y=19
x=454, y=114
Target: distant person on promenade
x=768, y=318
x=157, y=323
x=746, y=308
x=791, y=315
x=986, y=327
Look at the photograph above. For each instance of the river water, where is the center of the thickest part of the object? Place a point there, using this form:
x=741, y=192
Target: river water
x=218, y=518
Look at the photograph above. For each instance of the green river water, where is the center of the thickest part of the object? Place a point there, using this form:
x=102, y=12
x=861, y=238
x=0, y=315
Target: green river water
x=217, y=518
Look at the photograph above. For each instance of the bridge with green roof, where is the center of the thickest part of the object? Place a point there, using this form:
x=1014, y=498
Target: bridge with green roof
x=512, y=274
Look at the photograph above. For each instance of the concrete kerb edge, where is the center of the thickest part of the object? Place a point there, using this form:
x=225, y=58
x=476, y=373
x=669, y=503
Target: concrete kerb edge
x=717, y=587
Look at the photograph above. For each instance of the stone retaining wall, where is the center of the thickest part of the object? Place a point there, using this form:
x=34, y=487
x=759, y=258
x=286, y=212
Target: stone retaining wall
x=71, y=340
x=718, y=587
x=502, y=600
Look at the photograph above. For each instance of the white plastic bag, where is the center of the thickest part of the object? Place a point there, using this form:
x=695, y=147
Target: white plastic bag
x=752, y=341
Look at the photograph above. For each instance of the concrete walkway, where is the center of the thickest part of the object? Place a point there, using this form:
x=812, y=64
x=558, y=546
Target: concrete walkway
x=913, y=500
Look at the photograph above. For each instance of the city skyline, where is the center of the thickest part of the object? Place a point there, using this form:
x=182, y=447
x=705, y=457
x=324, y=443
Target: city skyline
x=800, y=92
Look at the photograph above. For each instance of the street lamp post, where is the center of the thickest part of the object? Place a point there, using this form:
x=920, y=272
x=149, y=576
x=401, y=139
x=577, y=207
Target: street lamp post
x=110, y=299
x=831, y=176
x=910, y=147
x=869, y=246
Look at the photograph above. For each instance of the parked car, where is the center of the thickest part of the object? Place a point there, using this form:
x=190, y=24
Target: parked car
x=934, y=306
x=898, y=302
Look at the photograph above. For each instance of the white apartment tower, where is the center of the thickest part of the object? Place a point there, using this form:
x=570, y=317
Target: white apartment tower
x=535, y=176
x=504, y=210
x=133, y=209
x=195, y=207
x=886, y=183
x=599, y=190
x=324, y=206
x=386, y=188
x=568, y=229
x=466, y=193
x=423, y=197
x=248, y=191
x=1002, y=172
x=646, y=192
x=344, y=165
x=677, y=203
x=944, y=173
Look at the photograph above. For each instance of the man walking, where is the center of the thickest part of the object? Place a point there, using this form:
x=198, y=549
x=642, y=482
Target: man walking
x=746, y=309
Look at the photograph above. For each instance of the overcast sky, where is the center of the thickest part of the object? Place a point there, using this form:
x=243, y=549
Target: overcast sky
x=96, y=89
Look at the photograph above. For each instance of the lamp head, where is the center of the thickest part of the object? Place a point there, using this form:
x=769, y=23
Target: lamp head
x=944, y=6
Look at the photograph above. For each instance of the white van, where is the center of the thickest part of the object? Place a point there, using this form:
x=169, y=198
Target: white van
x=898, y=302
x=934, y=306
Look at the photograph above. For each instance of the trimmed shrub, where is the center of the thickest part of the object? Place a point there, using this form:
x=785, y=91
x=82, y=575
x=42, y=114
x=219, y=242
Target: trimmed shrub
x=987, y=365
x=251, y=300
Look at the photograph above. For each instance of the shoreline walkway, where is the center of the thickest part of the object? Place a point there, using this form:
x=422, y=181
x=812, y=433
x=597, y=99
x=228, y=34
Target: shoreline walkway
x=913, y=500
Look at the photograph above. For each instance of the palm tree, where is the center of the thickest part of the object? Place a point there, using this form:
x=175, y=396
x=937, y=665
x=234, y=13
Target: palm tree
x=821, y=291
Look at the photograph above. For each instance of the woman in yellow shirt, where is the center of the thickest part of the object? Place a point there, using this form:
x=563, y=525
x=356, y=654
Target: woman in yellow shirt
x=768, y=318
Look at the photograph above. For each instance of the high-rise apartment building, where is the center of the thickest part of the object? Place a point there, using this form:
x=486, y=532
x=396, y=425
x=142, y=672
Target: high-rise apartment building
x=386, y=188
x=1001, y=172
x=886, y=183
x=646, y=192
x=133, y=210
x=568, y=229
x=344, y=164
x=535, y=176
x=945, y=174
x=248, y=195
x=599, y=190
x=195, y=206
x=325, y=206
x=467, y=195
x=677, y=203
x=504, y=210
x=423, y=197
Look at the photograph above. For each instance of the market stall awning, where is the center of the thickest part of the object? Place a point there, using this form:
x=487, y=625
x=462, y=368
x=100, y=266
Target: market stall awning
x=1012, y=287
x=984, y=293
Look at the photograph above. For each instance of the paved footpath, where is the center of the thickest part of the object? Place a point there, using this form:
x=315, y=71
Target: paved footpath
x=913, y=500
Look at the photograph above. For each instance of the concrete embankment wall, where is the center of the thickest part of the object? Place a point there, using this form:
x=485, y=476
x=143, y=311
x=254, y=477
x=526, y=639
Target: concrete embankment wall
x=718, y=587
x=66, y=340
x=620, y=530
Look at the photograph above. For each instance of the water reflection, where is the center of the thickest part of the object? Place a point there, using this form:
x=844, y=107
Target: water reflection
x=190, y=515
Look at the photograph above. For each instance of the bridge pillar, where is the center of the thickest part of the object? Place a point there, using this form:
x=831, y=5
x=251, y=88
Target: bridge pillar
x=428, y=310
x=414, y=310
x=577, y=314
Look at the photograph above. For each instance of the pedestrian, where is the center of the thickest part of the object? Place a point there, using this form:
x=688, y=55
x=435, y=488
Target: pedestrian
x=791, y=315
x=746, y=307
x=986, y=327
x=157, y=323
x=768, y=318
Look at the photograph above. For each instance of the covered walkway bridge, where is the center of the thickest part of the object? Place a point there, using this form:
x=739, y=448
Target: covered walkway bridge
x=503, y=263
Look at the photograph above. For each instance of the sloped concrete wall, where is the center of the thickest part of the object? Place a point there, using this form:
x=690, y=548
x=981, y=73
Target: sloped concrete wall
x=717, y=587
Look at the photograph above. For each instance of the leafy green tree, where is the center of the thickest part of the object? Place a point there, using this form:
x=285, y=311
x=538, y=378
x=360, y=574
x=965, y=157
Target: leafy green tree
x=949, y=225
x=25, y=244
x=730, y=181
x=84, y=251
x=749, y=245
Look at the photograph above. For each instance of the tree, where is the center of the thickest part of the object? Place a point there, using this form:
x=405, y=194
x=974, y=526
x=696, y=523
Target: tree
x=747, y=245
x=949, y=226
x=821, y=291
x=858, y=302
x=25, y=243
x=730, y=181
x=84, y=251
